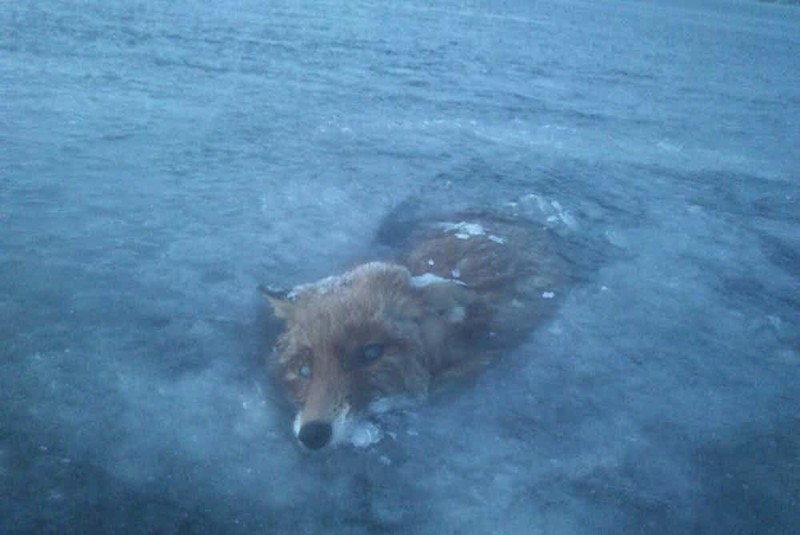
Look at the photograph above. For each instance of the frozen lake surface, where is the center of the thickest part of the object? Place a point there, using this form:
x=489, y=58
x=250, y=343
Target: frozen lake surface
x=158, y=161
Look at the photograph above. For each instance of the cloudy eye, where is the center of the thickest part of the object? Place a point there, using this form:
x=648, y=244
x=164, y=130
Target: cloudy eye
x=304, y=371
x=371, y=352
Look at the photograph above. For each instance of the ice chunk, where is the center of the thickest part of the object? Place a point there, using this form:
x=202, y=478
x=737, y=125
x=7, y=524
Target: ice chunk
x=365, y=434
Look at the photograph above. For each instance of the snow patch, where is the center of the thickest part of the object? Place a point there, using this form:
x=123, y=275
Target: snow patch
x=550, y=212
x=324, y=286
x=336, y=283
x=428, y=279
x=464, y=230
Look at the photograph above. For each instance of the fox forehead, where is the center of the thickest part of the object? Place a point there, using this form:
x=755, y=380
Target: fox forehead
x=373, y=275
x=364, y=305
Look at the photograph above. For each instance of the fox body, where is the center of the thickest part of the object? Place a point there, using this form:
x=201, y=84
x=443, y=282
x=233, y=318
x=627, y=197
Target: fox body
x=459, y=292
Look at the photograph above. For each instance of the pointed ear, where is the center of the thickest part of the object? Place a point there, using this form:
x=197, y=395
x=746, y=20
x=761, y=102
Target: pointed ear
x=279, y=299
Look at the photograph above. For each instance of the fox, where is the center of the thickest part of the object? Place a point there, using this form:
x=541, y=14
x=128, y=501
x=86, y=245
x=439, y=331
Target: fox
x=462, y=291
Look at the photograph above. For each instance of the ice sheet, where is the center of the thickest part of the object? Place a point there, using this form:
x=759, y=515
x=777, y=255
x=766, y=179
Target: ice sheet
x=160, y=160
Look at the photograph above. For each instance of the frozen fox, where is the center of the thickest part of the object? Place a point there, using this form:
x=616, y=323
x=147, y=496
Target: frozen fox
x=462, y=291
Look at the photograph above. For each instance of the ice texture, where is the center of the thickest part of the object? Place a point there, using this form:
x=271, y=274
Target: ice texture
x=159, y=160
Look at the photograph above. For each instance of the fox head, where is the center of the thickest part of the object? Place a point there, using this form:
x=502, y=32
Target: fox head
x=371, y=333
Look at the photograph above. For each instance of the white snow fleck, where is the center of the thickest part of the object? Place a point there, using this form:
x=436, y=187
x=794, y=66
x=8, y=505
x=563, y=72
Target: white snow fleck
x=552, y=212
x=548, y=295
x=464, y=230
x=427, y=279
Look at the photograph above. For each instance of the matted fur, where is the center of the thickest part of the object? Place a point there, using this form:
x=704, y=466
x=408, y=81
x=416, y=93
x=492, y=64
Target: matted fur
x=384, y=329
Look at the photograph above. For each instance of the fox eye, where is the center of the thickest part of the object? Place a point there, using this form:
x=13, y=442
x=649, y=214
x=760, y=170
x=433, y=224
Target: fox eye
x=304, y=371
x=370, y=353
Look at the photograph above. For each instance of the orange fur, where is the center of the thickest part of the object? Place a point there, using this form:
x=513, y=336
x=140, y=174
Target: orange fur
x=384, y=329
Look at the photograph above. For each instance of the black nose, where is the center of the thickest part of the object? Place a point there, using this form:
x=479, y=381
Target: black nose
x=315, y=435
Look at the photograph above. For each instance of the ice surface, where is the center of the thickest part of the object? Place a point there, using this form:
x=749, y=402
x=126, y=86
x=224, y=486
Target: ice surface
x=160, y=160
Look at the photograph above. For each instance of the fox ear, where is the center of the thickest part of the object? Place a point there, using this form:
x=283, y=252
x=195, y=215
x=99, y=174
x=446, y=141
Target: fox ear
x=278, y=298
